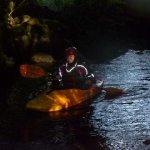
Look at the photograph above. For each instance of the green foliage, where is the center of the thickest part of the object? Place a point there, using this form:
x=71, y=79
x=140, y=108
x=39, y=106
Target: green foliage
x=47, y=3
x=5, y=61
x=115, y=1
x=55, y=5
x=25, y=89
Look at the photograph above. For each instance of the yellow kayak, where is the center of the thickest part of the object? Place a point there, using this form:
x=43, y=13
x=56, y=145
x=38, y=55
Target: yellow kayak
x=62, y=99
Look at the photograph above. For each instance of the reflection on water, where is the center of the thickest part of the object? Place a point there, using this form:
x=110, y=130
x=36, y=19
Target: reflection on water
x=42, y=131
x=115, y=124
x=125, y=121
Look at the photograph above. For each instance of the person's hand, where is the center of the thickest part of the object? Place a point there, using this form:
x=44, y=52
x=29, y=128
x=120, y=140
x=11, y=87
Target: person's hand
x=88, y=82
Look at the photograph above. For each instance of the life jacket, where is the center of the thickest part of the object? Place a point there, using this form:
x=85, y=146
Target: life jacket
x=73, y=76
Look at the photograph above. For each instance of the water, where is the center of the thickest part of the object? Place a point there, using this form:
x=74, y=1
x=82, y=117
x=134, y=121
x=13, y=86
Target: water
x=121, y=123
x=125, y=121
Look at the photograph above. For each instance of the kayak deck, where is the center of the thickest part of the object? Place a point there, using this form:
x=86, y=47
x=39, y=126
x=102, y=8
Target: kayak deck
x=61, y=99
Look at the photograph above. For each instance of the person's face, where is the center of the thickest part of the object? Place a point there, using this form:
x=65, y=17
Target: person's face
x=70, y=58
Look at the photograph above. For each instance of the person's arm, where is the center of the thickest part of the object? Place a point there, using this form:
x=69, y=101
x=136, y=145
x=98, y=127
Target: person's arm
x=90, y=75
x=57, y=79
x=87, y=76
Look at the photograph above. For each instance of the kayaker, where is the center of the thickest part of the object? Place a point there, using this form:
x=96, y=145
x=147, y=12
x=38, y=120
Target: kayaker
x=71, y=74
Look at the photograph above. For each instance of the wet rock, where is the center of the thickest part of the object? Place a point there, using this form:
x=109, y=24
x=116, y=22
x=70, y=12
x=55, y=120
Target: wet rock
x=44, y=60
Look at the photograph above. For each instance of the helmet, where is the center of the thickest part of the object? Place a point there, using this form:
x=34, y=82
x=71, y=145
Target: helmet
x=71, y=51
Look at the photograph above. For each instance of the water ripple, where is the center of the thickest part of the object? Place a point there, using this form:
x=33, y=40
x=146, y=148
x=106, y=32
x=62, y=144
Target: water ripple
x=125, y=121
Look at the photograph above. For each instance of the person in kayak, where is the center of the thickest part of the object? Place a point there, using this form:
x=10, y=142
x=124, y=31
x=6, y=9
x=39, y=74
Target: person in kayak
x=72, y=74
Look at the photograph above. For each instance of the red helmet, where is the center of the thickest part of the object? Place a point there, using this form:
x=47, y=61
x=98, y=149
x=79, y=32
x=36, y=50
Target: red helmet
x=71, y=51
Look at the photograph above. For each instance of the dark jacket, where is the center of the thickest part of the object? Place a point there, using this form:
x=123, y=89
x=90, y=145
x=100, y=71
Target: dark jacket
x=74, y=75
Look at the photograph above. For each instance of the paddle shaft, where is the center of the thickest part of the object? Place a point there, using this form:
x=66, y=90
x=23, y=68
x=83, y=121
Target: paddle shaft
x=33, y=71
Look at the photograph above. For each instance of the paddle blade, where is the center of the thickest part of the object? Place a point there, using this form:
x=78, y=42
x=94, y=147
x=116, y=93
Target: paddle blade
x=32, y=71
x=113, y=92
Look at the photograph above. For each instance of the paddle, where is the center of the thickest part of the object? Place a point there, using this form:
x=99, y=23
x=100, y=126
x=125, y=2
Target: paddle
x=34, y=71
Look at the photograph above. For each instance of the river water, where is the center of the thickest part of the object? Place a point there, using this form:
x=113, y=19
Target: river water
x=120, y=123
